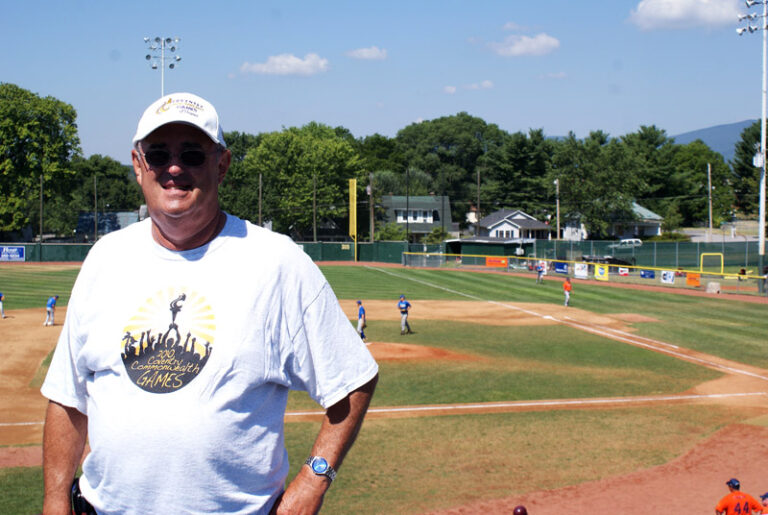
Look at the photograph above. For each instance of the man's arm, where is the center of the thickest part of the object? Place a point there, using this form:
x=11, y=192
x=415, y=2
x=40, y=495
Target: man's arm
x=63, y=444
x=340, y=426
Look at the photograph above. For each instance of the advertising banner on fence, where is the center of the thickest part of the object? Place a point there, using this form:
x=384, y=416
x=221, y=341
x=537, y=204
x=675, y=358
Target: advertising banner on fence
x=623, y=271
x=580, y=270
x=668, y=277
x=693, y=280
x=561, y=268
x=601, y=272
x=498, y=262
x=648, y=274
x=12, y=254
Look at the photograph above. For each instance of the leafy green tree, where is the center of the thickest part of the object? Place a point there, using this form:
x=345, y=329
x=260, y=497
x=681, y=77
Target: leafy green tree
x=448, y=149
x=746, y=181
x=652, y=152
x=115, y=186
x=436, y=235
x=516, y=174
x=38, y=137
x=672, y=218
x=391, y=231
x=379, y=153
x=295, y=164
x=688, y=182
x=598, y=182
x=239, y=193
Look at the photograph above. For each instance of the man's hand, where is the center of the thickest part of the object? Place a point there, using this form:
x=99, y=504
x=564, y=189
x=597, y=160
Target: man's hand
x=304, y=495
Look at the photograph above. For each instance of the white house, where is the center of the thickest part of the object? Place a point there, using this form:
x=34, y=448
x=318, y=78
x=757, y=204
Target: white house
x=512, y=224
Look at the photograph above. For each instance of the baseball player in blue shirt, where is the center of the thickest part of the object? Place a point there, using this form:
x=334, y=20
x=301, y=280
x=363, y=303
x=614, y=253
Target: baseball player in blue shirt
x=361, y=320
x=404, y=306
x=50, y=307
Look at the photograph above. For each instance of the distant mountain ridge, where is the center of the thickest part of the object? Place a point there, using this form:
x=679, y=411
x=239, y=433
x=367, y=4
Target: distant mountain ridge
x=720, y=138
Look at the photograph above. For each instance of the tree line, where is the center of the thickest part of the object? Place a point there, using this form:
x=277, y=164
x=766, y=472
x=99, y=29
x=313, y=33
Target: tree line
x=298, y=176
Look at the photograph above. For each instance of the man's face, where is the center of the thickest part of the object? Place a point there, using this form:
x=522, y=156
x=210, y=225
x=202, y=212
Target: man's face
x=179, y=195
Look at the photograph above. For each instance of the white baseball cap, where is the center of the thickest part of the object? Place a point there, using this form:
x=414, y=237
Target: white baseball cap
x=180, y=108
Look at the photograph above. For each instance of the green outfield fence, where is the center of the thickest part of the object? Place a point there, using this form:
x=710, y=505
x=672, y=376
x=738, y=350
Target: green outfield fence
x=650, y=253
x=710, y=275
x=736, y=255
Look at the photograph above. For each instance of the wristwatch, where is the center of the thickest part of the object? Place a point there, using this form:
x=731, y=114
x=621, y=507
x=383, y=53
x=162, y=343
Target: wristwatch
x=319, y=466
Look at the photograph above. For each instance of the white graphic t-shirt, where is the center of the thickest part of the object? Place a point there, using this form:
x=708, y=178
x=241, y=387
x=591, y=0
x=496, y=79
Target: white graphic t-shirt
x=182, y=362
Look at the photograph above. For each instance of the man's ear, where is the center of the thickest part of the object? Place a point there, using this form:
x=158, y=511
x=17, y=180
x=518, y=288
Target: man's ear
x=136, y=160
x=224, y=162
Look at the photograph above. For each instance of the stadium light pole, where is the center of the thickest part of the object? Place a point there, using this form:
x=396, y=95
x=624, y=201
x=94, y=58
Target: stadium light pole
x=760, y=157
x=160, y=48
x=557, y=206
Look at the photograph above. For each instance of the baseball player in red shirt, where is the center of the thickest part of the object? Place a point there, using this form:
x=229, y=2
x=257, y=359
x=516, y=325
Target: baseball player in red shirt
x=737, y=502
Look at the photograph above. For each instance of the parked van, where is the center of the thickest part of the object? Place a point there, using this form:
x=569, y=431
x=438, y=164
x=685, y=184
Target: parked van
x=628, y=243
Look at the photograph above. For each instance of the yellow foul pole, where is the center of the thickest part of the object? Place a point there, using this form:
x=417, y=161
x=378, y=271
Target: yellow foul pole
x=353, y=212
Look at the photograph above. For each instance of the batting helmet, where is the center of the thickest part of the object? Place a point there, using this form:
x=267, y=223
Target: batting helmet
x=520, y=510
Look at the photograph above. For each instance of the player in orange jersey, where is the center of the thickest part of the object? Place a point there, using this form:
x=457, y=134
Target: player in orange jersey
x=567, y=287
x=737, y=502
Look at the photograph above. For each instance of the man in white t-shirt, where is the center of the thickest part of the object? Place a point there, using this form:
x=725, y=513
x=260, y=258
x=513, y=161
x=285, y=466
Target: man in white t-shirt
x=183, y=335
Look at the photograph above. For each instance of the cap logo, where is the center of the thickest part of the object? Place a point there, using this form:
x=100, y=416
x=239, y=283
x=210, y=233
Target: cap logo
x=188, y=106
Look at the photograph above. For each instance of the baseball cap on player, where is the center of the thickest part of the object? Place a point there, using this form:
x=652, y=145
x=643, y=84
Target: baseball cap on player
x=733, y=483
x=359, y=302
x=520, y=510
x=402, y=296
x=764, y=496
x=180, y=108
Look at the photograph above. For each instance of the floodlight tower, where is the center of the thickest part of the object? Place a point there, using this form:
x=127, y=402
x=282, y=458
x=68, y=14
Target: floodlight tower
x=160, y=49
x=759, y=159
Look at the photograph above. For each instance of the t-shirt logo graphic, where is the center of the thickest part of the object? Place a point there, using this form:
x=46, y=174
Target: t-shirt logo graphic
x=162, y=359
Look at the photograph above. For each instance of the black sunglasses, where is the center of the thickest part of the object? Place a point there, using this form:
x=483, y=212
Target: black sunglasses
x=158, y=158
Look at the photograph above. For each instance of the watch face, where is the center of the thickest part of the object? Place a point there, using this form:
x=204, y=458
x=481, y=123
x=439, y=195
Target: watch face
x=319, y=465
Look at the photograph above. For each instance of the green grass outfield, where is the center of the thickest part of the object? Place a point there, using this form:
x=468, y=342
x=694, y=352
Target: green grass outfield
x=410, y=465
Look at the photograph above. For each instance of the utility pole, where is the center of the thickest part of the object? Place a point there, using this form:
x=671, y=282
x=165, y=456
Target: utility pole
x=709, y=194
x=95, y=212
x=41, y=211
x=557, y=206
x=314, y=207
x=370, y=204
x=260, y=224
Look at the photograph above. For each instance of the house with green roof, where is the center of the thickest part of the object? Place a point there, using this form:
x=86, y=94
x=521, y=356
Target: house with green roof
x=644, y=224
x=419, y=214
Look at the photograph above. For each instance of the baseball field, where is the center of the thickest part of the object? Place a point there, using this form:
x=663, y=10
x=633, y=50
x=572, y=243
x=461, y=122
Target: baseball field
x=628, y=401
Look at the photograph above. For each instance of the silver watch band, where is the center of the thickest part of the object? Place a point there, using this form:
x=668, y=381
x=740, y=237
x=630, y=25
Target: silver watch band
x=321, y=467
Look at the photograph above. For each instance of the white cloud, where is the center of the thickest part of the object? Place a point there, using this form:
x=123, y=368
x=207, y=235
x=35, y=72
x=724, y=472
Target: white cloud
x=371, y=53
x=681, y=14
x=449, y=90
x=287, y=64
x=516, y=45
x=486, y=84
x=510, y=25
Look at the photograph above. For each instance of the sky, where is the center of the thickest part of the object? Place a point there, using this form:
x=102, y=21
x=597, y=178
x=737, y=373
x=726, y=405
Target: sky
x=377, y=67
